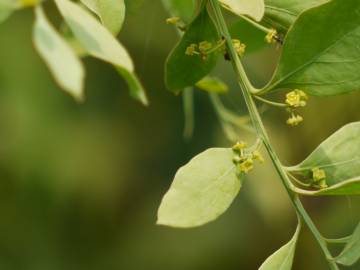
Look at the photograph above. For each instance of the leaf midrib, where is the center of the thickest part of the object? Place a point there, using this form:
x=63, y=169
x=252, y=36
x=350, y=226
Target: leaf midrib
x=311, y=61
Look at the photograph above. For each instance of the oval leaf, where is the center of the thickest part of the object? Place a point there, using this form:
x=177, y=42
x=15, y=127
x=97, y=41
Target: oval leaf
x=180, y=8
x=339, y=157
x=282, y=14
x=252, y=8
x=202, y=190
x=185, y=70
x=320, y=55
x=111, y=12
x=284, y=257
x=212, y=85
x=99, y=42
x=351, y=253
x=62, y=61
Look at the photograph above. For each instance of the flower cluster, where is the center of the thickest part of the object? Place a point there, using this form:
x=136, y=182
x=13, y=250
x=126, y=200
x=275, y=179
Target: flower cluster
x=244, y=160
x=295, y=99
x=205, y=48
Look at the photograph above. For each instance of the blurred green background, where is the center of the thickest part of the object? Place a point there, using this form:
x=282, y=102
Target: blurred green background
x=80, y=183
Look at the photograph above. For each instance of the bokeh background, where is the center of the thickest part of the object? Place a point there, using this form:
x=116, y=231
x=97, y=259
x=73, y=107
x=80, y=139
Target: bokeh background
x=80, y=183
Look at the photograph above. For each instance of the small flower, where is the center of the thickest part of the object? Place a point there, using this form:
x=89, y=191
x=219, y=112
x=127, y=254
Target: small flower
x=296, y=98
x=318, y=174
x=257, y=156
x=173, y=20
x=204, y=46
x=239, y=146
x=239, y=47
x=271, y=35
x=29, y=3
x=294, y=120
x=191, y=49
x=246, y=166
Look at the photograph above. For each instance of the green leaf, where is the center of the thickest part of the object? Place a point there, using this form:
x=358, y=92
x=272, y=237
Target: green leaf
x=111, y=12
x=339, y=157
x=7, y=7
x=283, y=258
x=318, y=57
x=100, y=43
x=202, y=190
x=282, y=14
x=62, y=61
x=252, y=8
x=212, y=84
x=180, y=8
x=351, y=252
x=185, y=70
x=249, y=35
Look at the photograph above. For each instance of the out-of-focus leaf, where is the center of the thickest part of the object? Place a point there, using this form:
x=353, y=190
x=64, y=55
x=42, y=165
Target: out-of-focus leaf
x=180, y=8
x=100, y=43
x=202, y=190
x=111, y=12
x=252, y=37
x=283, y=258
x=7, y=7
x=339, y=157
x=63, y=63
x=212, y=84
x=319, y=54
x=184, y=70
x=351, y=253
x=282, y=14
x=252, y=8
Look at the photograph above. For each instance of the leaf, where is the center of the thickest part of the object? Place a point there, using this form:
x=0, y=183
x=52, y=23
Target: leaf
x=212, y=84
x=185, y=70
x=180, y=8
x=202, y=190
x=351, y=252
x=252, y=8
x=283, y=258
x=111, y=13
x=62, y=61
x=339, y=157
x=100, y=43
x=283, y=14
x=249, y=35
x=7, y=7
x=320, y=55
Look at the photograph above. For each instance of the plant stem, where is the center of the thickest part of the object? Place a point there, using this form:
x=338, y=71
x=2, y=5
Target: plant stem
x=247, y=89
x=272, y=103
x=257, y=25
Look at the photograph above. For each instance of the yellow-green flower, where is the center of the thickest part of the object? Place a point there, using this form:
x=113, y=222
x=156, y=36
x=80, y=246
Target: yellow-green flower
x=246, y=166
x=173, y=20
x=29, y=3
x=191, y=49
x=204, y=46
x=239, y=47
x=270, y=37
x=318, y=174
x=294, y=120
x=258, y=156
x=296, y=98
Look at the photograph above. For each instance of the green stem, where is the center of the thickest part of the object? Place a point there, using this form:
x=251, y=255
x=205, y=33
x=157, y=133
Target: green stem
x=272, y=103
x=257, y=25
x=247, y=89
x=343, y=240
